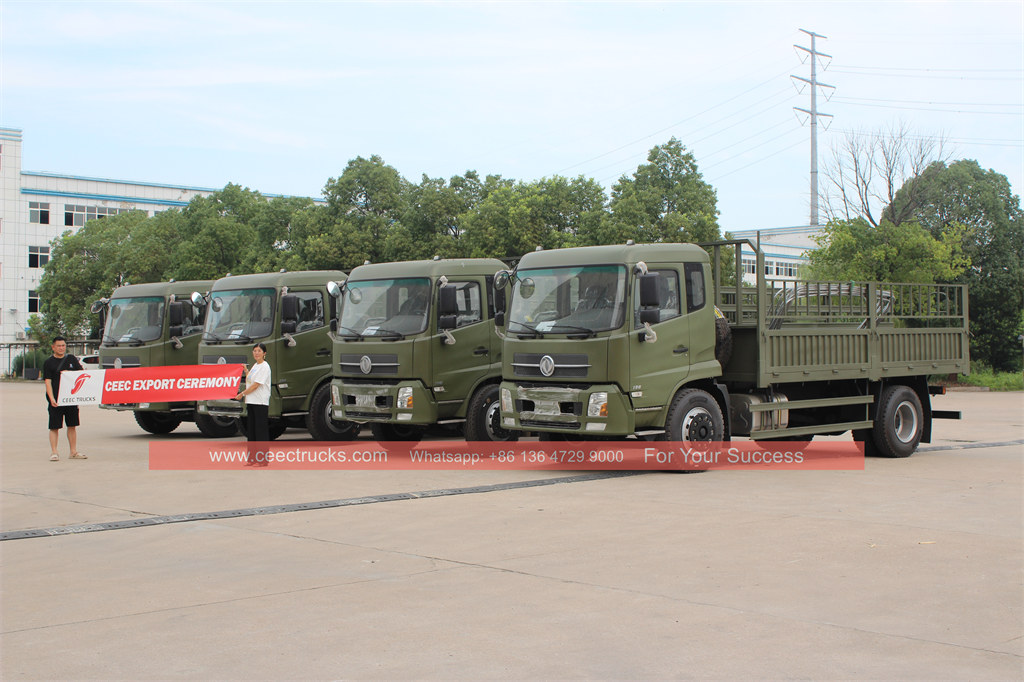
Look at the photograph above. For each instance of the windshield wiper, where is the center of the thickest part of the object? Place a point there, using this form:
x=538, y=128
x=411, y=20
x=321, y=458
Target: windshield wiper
x=536, y=334
x=241, y=338
x=396, y=335
x=210, y=336
x=107, y=340
x=354, y=335
x=585, y=330
x=135, y=341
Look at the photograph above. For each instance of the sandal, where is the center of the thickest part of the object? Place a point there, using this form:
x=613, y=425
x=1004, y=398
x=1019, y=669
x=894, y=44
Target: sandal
x=55, y=457
x=77, y=455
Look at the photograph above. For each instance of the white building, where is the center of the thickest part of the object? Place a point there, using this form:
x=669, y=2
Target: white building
x=785, y=251
x=37, y=207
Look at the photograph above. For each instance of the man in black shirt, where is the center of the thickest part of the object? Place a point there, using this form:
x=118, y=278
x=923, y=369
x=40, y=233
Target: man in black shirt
x=54, y=365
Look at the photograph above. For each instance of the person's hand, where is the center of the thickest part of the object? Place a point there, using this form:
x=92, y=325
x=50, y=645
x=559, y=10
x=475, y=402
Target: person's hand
x=53, y=402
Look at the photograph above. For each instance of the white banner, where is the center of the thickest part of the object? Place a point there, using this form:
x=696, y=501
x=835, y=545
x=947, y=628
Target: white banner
x=81, y=388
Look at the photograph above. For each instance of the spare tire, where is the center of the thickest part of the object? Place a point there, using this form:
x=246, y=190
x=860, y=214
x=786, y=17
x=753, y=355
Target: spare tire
x=723, y=341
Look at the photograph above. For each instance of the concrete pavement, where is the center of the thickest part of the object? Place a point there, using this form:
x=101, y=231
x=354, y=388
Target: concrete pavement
x=908, y=569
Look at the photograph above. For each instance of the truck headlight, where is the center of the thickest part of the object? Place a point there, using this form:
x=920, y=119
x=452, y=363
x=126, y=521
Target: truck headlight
x=405, y=398
x=335, y=395
x=598, y=405
x=506, y=400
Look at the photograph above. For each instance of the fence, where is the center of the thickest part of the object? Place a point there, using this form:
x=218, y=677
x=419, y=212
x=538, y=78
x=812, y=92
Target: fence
x=34, y=370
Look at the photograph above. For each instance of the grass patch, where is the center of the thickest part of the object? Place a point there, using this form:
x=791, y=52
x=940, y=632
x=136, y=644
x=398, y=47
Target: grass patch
x=995, y=381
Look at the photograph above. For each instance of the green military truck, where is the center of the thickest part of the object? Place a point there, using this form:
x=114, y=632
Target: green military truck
x=149, y=325
x=612, y=341
x=416, y=346
x=290, y=312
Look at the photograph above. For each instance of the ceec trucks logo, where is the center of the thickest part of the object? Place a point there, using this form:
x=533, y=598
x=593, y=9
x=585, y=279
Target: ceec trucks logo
x=78, y=383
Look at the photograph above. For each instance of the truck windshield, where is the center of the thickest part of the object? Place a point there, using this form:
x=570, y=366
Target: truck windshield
x=385, y=307
x=135, y=320
x=240, y=315
x=588, y=298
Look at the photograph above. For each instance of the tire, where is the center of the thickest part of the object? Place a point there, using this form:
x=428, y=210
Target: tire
x=319, y=422
x=899, y=422
x=157, y=422
x=402, y=432
x=216, y=427
x=694, y=417
x=723, y=341
x=483, y=419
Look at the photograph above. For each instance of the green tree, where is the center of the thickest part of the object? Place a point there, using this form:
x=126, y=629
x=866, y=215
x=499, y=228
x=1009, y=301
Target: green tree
x=856, y=250
x=84, y=266
x=666, y=200
x=977, y=207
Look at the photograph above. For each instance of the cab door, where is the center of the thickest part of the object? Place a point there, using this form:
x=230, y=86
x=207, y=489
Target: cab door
x=657, y=367
x=459, y=366
x=303, y=364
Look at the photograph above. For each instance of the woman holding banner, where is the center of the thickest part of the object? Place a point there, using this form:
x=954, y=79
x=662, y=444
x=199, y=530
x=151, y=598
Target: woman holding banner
x=257, y=402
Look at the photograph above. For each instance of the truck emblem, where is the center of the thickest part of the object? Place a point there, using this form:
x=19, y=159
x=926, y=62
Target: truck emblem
x=365, y=364
x=117, y=363
x=221, y=361
x=547, y=365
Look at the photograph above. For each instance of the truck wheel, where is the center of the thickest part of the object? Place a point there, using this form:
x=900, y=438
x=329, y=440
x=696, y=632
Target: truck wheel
x=216, y=427
x=157, y=422
x=723, y=341
x=403, y=432
x=899, y=422
x=483, y=420
x=694, y=417
x=319, y=422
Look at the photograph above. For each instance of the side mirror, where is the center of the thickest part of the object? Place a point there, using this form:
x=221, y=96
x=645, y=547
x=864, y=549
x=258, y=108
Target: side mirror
x=176, y=316
x=99, y=305
x=501, y=279
x=650, y=316
x=447, y=321
x=334, y=324
x=446, y=302
x=289, y=308
x=334, y=289
x=499, y=301
x=175, y=331
x=198, y=300
x=650, y=295
x=499, y=318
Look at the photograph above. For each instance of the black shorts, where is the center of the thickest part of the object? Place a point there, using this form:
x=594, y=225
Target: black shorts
x=68, y=415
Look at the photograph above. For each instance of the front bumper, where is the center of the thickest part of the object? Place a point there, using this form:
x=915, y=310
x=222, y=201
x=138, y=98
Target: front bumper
x=566, y=409
x=222, y=408
x=150, y=407
x=388, y=403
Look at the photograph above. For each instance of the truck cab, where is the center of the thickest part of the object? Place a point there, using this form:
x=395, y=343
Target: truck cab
x=416, y=346
x=598, y=339
x=150, y=325
x=290, y=312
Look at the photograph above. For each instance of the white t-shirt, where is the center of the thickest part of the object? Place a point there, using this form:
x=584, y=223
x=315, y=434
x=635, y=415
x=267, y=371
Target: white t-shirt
x=259, y=374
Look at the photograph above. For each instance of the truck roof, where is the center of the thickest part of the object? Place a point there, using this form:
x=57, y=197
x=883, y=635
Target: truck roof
x=277, y=279
x=624, y=254
x=449, y=267
x=183, y=288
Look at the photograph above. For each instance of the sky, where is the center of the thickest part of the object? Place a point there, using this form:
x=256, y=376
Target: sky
x=279, y=97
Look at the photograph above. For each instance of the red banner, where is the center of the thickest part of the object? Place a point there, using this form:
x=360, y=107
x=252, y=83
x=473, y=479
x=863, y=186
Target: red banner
x=170, y=383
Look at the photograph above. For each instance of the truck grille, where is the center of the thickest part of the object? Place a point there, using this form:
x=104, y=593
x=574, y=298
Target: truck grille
x=126, y=361
x=376, y=363
x=564, y=365
x=228, y=359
